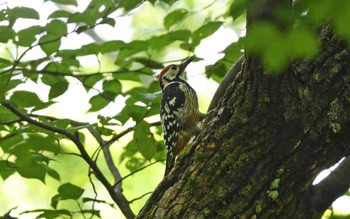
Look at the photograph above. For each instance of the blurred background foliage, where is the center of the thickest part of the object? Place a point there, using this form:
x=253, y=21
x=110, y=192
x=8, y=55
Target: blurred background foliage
x=89, y=65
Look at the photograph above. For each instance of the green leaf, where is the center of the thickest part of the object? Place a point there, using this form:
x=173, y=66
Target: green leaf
x=174, y=17
x=33, y=171
x=23, y=12
x=233, y=51
x=7, y=144
x=181, y=35
x=205, y=31
x=128, y=151
x=98, y=102
x=149, y=62
x=144, y=140
x=6, y=34
x=7, y=168
x=129, y=4
x=50, y=43
x=60, y=67
x=280, y=46
x=91, y=212
x=302, y=42
x=25, y=99
x=59, y=14
x=89, y=49
x=4, y=82
x=39, y=158
x=69, y=62
x=53, y=214
x=5, y=63
x=341, y=17
x=136, y=112
x=78, y=17
x=134, y=163
x=50, y=214
x=64, y=2
x=53, y=173
x=93, y=12
x=130, y=49
x=7, y=83
x=40, y=142
x=62, y=123
x=28, y=36
x=90, y=81
x=3, y=15
x=112, y=46
x=110, y=22
x=56, y=28
x=113, y=86
x=237, y=8
x=70, y=191
x=347, y=193
x=168, y=2
x=54, y=201
x=159, y=42
x=216, y=71
x=58, y=89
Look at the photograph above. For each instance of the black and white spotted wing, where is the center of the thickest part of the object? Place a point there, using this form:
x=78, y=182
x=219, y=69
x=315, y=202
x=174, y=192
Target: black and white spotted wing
x=173, y=102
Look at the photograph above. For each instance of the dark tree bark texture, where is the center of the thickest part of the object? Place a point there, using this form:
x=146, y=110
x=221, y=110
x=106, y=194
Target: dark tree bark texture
x=265, y=142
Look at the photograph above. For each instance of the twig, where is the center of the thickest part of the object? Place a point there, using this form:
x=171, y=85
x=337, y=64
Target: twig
x=126, y=131
x=138, y=170
x=138, y=198
x=95, y=192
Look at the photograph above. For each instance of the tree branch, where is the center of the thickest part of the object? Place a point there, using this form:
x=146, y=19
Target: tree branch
x=105, y=148
x=118, y=198
x=226, y=81
x=138, y=170
x=104, y=145
x=10, y=122
x=320, y=196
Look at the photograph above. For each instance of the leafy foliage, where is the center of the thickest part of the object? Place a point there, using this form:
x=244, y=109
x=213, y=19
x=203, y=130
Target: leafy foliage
x=37, y=55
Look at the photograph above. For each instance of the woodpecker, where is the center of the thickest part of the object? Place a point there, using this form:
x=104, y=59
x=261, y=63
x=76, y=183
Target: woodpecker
x=179, y=113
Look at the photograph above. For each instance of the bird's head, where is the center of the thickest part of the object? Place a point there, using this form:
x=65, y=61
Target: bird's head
x=173, y=72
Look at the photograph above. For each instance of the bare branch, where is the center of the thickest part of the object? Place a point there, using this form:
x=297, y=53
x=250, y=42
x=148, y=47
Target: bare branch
x=112, y=167
x=95, y=192
x=105, y=148
x=320, y=196
x=138, y=198
x=119, y=198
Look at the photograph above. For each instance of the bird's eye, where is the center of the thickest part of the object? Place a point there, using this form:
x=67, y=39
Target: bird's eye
x=173, y=67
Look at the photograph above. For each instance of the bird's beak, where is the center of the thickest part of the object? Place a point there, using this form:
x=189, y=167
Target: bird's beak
x=185, y=63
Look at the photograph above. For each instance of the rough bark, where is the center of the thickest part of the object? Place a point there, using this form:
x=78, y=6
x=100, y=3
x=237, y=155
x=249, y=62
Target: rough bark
x=264, y=143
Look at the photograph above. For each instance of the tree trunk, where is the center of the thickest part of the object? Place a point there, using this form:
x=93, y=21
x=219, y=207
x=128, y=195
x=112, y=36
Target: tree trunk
x=264, y=143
